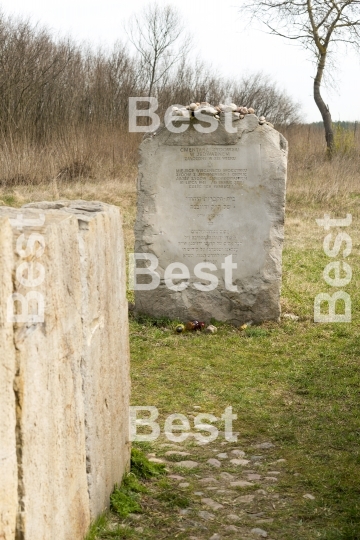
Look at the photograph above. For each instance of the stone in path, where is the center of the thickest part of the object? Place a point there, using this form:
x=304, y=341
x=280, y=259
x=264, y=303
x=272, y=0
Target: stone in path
x=226, y=476
x=176, y=453
x=208, y=480
x=259, y=532
x=231, y=528
x=226, y=492
x=233, y=517
x=206, y=515
x=212, y=504
x=187, y=464
x=241, y=483
x=239, y=453
x=246, y=498
x=264, y=445
x=240, y=462
x=214, y=462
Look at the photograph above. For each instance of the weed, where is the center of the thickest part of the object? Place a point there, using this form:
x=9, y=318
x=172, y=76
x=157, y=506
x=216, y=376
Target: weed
x=124, y=501
x=142, y=467
x=254, y=331
x=125, y=498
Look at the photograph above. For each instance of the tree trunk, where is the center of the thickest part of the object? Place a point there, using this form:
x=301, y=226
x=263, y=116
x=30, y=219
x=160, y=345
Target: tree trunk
x=323, y=108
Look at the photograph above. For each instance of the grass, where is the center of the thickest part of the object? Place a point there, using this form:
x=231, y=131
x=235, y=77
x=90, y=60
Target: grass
x=142, y=467
x=125, y=498
x=171, y=498
x=103, y=527
x=295, y=383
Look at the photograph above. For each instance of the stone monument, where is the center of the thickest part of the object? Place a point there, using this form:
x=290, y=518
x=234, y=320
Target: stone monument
x=210, y=217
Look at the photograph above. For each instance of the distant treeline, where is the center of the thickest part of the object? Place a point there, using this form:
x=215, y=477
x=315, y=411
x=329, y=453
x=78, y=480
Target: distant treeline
x=340, y=124
x=49, y=84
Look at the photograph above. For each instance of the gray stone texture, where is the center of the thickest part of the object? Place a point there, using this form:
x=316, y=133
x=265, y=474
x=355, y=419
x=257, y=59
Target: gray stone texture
x=203, y=197
x=72, y=380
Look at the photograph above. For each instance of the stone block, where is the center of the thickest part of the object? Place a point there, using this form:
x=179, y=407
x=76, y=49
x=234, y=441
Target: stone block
x=72, y=380
x=212, y=206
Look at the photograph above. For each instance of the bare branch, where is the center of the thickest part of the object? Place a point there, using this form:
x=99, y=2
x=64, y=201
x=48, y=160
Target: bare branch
x=154, y=35
x=317, y=25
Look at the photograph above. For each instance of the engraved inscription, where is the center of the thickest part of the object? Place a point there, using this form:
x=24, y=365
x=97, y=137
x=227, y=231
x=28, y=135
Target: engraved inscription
x=210, y=189
x=211, y=178
x=209, y=244
x=209, y=203
x=196, y=153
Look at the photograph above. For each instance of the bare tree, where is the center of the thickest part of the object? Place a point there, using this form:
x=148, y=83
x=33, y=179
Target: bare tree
x=259, y=91
x=154, y=34
x=318, y=25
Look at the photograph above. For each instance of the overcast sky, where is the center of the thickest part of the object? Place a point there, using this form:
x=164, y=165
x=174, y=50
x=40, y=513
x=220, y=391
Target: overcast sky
x=220, y=38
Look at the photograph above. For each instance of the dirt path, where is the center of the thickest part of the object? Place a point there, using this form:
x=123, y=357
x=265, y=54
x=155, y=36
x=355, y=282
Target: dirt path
x=220, y=490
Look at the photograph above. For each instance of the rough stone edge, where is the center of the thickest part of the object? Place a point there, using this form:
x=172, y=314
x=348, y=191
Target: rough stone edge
x=8, y=456
x=114, y=459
